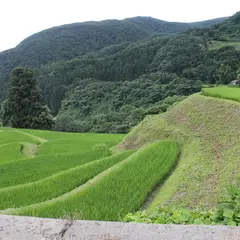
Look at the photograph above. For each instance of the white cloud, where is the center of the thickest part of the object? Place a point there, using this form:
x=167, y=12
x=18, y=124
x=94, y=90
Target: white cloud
x=21, y=18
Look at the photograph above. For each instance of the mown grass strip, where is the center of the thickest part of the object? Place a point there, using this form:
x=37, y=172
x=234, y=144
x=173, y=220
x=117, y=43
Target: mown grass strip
x=56, y=185
x=116, y=193
x=29, y=170
x=223, y=92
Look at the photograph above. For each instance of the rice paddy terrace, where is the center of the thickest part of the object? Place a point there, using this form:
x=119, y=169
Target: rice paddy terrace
x=52, y=174
x=186, y=157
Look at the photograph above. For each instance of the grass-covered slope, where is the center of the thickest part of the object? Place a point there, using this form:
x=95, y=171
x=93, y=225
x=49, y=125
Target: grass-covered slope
x=207, y=130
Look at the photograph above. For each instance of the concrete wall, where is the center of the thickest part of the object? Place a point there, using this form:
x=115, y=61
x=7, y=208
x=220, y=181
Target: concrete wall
x=29, y=228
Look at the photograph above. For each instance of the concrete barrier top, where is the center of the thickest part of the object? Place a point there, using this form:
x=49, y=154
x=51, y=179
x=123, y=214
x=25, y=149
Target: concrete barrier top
x=30, y=228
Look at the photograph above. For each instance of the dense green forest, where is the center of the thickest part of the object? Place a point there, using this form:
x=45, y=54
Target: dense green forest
x=75, y=40
x=113, y=73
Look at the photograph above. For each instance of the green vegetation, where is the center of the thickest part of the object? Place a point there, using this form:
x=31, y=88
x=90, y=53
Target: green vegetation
x=29, y=170
x=116, y=192
x=8, y=135
x=57, y=184
x=10, y=151
x=207, y=129
x=223, y=92
x=116, y=74
x=112, y=93
x=93, y=82
x=22, y=108
x=227, y=213
x=213, y=45
x=20, y=166
x=90, y=183
x=73, y=40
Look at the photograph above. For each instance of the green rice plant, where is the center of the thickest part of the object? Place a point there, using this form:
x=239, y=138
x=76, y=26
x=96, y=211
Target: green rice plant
x=99, y=137
x=58, y=142
x=10, y=152
x=116, y=192
x=13, y=135
x=223, y=92
x=56, y=184
x=68, y=146
x=29, y=170
x=214, y=45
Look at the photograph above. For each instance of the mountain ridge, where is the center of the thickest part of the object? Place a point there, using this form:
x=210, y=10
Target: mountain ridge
x=74, y=40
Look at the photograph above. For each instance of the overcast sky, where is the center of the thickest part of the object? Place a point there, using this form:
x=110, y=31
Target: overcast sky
x=22, y=18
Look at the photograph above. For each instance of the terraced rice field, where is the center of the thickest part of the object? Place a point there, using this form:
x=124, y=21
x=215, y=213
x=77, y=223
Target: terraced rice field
x=214, y=45
x=223, y=92
x=54, y=174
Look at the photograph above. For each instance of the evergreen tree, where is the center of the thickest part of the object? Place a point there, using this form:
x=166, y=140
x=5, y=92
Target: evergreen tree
x=23, y=102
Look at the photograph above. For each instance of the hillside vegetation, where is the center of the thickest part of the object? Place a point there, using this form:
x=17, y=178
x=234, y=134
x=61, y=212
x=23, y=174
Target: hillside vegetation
x=207, y=131
x=147, y=170
x=112, y=93
x=107, y=76
x=73, y=40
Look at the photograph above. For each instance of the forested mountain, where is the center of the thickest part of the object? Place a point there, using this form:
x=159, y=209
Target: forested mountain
x=111, y=74
x=208, y=23
x=111, y=93
x=74, y=40
x=229, y=29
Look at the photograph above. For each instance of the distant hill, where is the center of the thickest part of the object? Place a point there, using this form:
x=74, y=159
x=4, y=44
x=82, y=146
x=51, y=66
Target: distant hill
x=208, y=23
x=226, y=30
x=74, y=40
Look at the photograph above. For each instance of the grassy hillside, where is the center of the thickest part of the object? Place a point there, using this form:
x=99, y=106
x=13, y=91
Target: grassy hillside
x=207, y=129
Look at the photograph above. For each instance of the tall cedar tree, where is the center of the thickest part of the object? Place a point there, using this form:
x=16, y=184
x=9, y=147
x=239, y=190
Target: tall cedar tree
x=23, y=102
